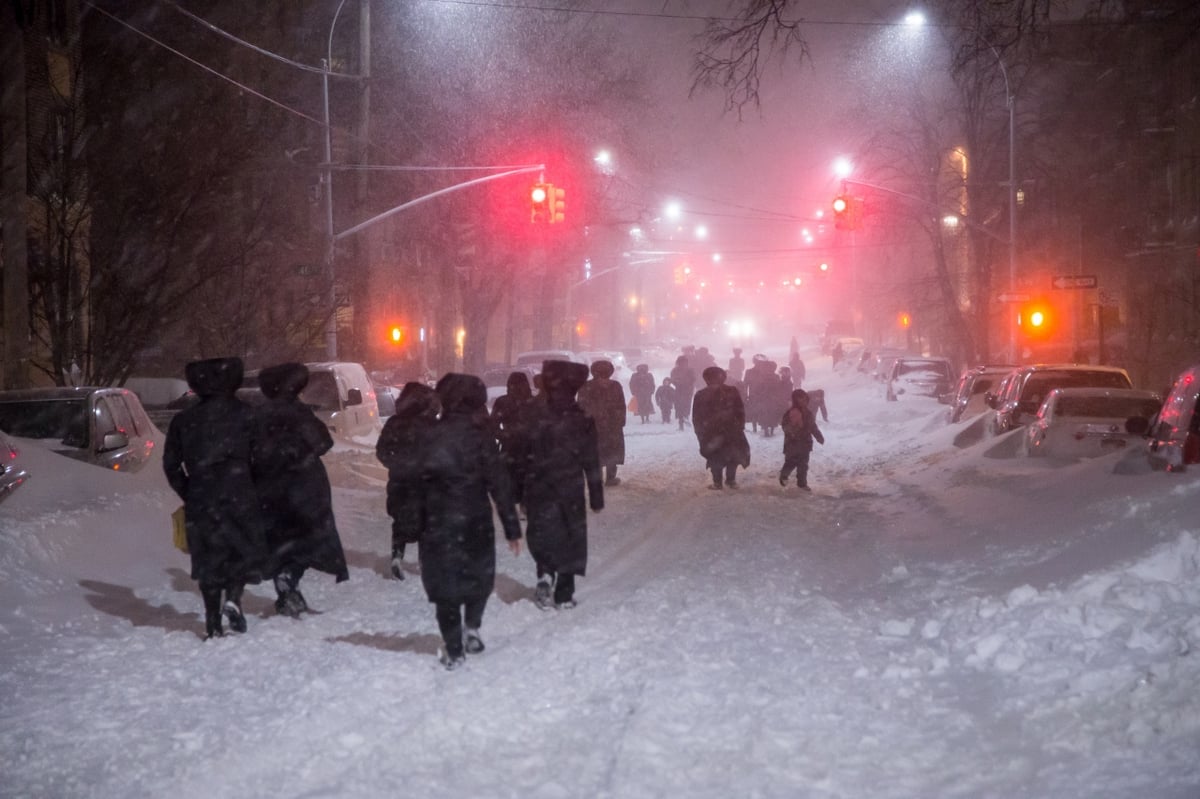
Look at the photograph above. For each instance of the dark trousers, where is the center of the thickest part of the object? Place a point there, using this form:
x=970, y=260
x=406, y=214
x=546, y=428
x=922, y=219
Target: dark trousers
x=450, y=622
x=800, y=464
x=212, y=604
x=729, y=470
x=666, y=414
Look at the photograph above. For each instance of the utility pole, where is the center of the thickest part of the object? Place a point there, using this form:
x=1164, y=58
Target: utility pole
x=13, y=193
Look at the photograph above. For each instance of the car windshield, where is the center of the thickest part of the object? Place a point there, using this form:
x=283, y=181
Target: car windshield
x=1039, y=385
x=64, y=419
x=1107, y=407
x=923, y=369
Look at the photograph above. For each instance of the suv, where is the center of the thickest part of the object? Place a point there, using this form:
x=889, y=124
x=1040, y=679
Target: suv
x=1175, y=434
x=974, y=384
x=104, y=426
x=919, y=377
x=1027, y=386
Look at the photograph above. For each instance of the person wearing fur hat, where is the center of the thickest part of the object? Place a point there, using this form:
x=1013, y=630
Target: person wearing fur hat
x=799, y=425
x=719, y=419
x=563, y=459
x=293, y=487
x=641, y=386
x=206, y=459
x=603, y=399
x=401, y=448
x=463, y=478
x=510, y=425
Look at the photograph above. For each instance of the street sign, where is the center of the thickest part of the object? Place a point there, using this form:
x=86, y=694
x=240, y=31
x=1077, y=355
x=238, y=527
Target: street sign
x=1013, y=298
x=1074, y=282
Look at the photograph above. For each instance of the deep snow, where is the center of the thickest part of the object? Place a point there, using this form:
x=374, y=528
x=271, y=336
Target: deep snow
x=936, y=620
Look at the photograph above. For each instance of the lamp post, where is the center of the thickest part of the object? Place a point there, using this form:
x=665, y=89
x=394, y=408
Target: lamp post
x=327, y=193
x=916, y=20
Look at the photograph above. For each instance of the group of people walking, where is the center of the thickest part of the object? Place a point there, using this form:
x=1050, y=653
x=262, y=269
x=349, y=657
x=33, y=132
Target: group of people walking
x=257, y=499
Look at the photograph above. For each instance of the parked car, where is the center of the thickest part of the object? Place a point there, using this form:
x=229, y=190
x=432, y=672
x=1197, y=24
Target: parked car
x=534, y=358
x=340, y=393
x=878, y=363
x=1028, y=386
x=1087, y=422
x=919, y=377
x=1174, y=434
x=104, y=426
x=970, y=395
x=12, y=475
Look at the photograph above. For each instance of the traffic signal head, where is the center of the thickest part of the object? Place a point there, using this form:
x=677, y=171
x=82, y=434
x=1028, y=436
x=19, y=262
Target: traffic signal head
x=842, y=212
x=539, y=202
x=556, y=203
x=1036, y=319
x=904, y=320
x=396, y=334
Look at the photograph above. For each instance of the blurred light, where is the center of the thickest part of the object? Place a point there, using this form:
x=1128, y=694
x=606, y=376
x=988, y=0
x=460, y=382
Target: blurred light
x=636, y=232
x=797, y=281
x=820, y=213
x=914, y=19
x=604, y=158
x=673, y=210
x=824, y=267
x=842, y=167
x=633, y=301
x=701, y=232
x=716, y=257
x=950, y=220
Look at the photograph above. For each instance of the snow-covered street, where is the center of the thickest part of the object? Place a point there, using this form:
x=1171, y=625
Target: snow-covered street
x=933, y=621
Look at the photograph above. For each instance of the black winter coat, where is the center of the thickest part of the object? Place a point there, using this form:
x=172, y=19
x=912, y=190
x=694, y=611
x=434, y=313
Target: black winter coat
x=293, y=487
x=461, y=470
x=603, y=399
x=641, y=385
x=563, y=457
x=719, y=419
x=206, y=459
x=684, y=381
x=799, y=429
x=401, y=448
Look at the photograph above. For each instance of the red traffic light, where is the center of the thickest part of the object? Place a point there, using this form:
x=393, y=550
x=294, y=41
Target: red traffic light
x=840, y=204
x=1036, y=319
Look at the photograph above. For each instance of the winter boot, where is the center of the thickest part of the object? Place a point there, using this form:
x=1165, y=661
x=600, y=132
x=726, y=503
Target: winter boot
x=472, y=643
x=452, y=662
x=233, y=609
x=543, y=595
x=212, y=612
x=398, y=562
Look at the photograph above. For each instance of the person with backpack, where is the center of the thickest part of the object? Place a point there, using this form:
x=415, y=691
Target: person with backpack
x=799, y=429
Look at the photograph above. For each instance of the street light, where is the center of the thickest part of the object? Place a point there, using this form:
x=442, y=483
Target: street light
x=916, y=19
x=327, y=179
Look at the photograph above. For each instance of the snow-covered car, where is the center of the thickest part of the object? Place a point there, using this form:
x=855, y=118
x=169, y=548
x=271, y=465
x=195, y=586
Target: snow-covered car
x=1026, y=388
x=104, y=426
x=1087, y=422
x=12, y=475
x=970, y=396
x=1174, y=434
x=919, y=377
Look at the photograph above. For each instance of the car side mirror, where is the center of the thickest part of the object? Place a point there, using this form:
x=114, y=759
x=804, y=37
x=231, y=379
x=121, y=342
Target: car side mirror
x=114, y=441
x=353, y=397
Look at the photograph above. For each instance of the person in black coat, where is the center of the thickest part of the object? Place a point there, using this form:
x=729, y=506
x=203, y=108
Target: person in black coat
x=293, y=487
x=799, y=429
x=510, y=425
x=206, y=459
x=641, y=386
x=401, y=448
x=683, y=379
x=719, y=419
x=665, y=397
x=563, y=459
x=463, y=477
x=603, y=399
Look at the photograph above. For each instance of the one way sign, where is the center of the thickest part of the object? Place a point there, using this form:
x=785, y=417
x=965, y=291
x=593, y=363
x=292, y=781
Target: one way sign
x=1074, y=282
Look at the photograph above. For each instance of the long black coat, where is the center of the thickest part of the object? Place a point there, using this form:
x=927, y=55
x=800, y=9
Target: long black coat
x=293, y=487
x=206, y=459
x=684, y=381
x=563, y=458
x=510, y=421
x=603, y=399
x=401, y=448
x=461, y=470
x=641, y=385
x=719, y=419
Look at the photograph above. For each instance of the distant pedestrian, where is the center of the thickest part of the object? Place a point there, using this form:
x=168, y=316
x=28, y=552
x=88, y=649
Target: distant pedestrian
x=206, y=459
x=401, y=448
x=665, y=397
x=563, y=460
x=293, y=487
x=737, y=366
x=719, y=419
x=799, y=429
x=510, y=420
x=796, y=365
x=683, y=379
x=463, y=478
x=603, y=399
x=838, y=354
x=641, y=386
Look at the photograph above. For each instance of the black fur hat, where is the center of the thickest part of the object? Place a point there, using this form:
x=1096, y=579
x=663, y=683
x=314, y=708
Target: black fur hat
x=214, y=376
x=285, y=379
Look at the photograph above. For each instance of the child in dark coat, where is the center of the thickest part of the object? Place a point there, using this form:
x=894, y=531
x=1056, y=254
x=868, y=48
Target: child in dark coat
x=799, y=429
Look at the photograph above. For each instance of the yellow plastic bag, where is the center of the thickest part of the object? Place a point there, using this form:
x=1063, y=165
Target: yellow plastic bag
x=179, y=530
x=633, y=405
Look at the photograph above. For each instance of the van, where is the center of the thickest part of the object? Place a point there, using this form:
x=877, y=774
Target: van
x=341, y=394
x=534, y=358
